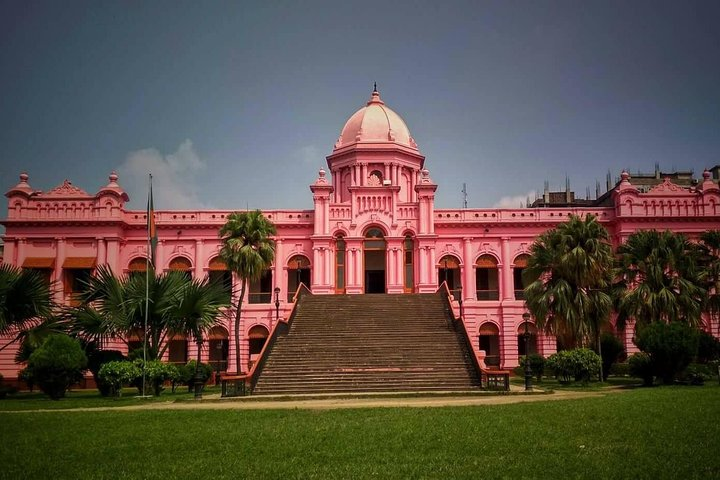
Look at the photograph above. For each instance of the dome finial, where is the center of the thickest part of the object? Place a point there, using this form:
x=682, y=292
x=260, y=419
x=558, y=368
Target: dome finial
x=374, y=87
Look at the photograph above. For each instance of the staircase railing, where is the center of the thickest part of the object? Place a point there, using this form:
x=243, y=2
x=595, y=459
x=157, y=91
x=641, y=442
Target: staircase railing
x=459, y=326
x=244, y=384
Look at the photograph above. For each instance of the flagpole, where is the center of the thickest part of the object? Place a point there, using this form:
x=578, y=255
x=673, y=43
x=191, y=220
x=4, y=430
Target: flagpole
x=147, y=281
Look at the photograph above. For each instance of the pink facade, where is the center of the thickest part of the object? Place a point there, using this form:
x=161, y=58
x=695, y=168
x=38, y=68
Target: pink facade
x=373, y=228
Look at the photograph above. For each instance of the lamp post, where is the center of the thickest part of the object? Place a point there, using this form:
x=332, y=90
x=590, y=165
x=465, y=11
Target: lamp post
x=460, y=301
x=277, y=304
x=219, y=348
x=528, y=372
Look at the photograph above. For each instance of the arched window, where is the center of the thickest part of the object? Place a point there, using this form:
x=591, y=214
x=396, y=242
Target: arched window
x=375, y=179
x=520, y=263
x=181, y=264
x=261, y=289
x=298, y=273
x=449, y=271
x=490, y=343
x=137, y=266
x=218, y=273
x=257, y=336
x=532, y=340
x=486, y=278
x=408, y=266
x=340, y=265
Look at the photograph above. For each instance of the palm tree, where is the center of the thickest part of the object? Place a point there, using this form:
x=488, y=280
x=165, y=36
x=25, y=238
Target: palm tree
x=201, y=304
x=659, y=279
x=248, y=251
x=569, y=275
x=115, y=307
x=710, y=267
x=24, y=300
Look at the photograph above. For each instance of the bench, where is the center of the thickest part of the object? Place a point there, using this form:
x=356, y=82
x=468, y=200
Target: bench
x=233, y=385
x=495, y=379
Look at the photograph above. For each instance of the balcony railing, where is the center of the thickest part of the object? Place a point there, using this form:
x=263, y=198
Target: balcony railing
x=488, y=295
x=492, y=360
x=262, y=297
x=519, y=294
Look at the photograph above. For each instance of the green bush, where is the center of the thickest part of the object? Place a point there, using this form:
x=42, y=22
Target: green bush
x=187, y=374
x=96, y=360
x=5, y=389
x=156, y=373
x=641, y=366
x=57, y=364
x=537, y=365
x=620, y=369
x=671, y=347
x=708, y=347
x=116, y=374
x=697, y=374
x=25, y=376
x=612, y=349
x=579, y=364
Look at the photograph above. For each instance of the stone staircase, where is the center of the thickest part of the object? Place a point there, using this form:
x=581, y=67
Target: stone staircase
x=368, y=343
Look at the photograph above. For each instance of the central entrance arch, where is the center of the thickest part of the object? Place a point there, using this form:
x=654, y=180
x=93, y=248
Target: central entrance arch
x=374, y=248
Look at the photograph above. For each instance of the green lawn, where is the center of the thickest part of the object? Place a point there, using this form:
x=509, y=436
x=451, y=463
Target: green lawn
x=662, y=432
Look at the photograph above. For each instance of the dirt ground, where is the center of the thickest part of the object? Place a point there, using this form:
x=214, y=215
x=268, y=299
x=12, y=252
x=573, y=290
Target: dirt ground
x=213, y=402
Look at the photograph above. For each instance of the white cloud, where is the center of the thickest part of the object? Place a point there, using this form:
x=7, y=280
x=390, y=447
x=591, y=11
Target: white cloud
x=310, y=155
x=516, y=201
x=174, y=177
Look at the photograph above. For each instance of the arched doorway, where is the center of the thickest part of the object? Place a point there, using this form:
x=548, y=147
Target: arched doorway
x=532, y=341
x=298, y=268
x=257, y=336
x=449, y=271
x=519, y=265
x=181, y=264
x=218, y=349
x=490, y=342
x=374, y=251
x=486, y=278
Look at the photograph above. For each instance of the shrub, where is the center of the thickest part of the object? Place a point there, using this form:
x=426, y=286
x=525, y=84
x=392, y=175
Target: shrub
x=697, y=374
x=620, y=369
x=671, y=347
x=708, y=347
x=579, y=364
x=187, y=374
x=156, y=373
x=57, y=364
x=641, y=366
x=116, y=374
x=611, y=348
x=5, y=389
x=537, y=365
x=25, y=376
x=96, y=360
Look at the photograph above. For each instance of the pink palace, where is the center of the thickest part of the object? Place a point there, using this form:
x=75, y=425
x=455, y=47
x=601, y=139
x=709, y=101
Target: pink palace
x=373, y=229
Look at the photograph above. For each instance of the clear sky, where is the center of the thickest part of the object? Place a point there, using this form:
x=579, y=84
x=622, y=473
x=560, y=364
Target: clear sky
x=236, y=104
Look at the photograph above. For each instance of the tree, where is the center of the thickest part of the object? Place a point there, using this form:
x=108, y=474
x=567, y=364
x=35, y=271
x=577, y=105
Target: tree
x=115, y=307
x=57, y=364
x=198, y=311
x=24, y=300
x=568, y=278
x=248, y=251
x=710, y=272
x=659, y=279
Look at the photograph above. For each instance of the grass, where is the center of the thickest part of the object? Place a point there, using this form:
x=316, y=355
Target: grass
x=662, y=432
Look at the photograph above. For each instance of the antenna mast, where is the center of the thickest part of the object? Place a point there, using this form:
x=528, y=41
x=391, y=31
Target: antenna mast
x=464, y=192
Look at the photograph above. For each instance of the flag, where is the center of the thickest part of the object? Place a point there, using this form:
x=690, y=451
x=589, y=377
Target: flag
x=152, y=232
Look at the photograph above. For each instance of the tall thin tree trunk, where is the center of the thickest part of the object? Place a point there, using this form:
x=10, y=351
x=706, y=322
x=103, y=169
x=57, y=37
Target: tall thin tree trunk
x=237, y=326
x=600, y=353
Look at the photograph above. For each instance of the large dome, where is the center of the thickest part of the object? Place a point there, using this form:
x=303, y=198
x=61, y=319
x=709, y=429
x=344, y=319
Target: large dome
x=375, y=123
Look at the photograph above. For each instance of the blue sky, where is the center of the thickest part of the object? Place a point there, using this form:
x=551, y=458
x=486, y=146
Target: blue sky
x=236, y=104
